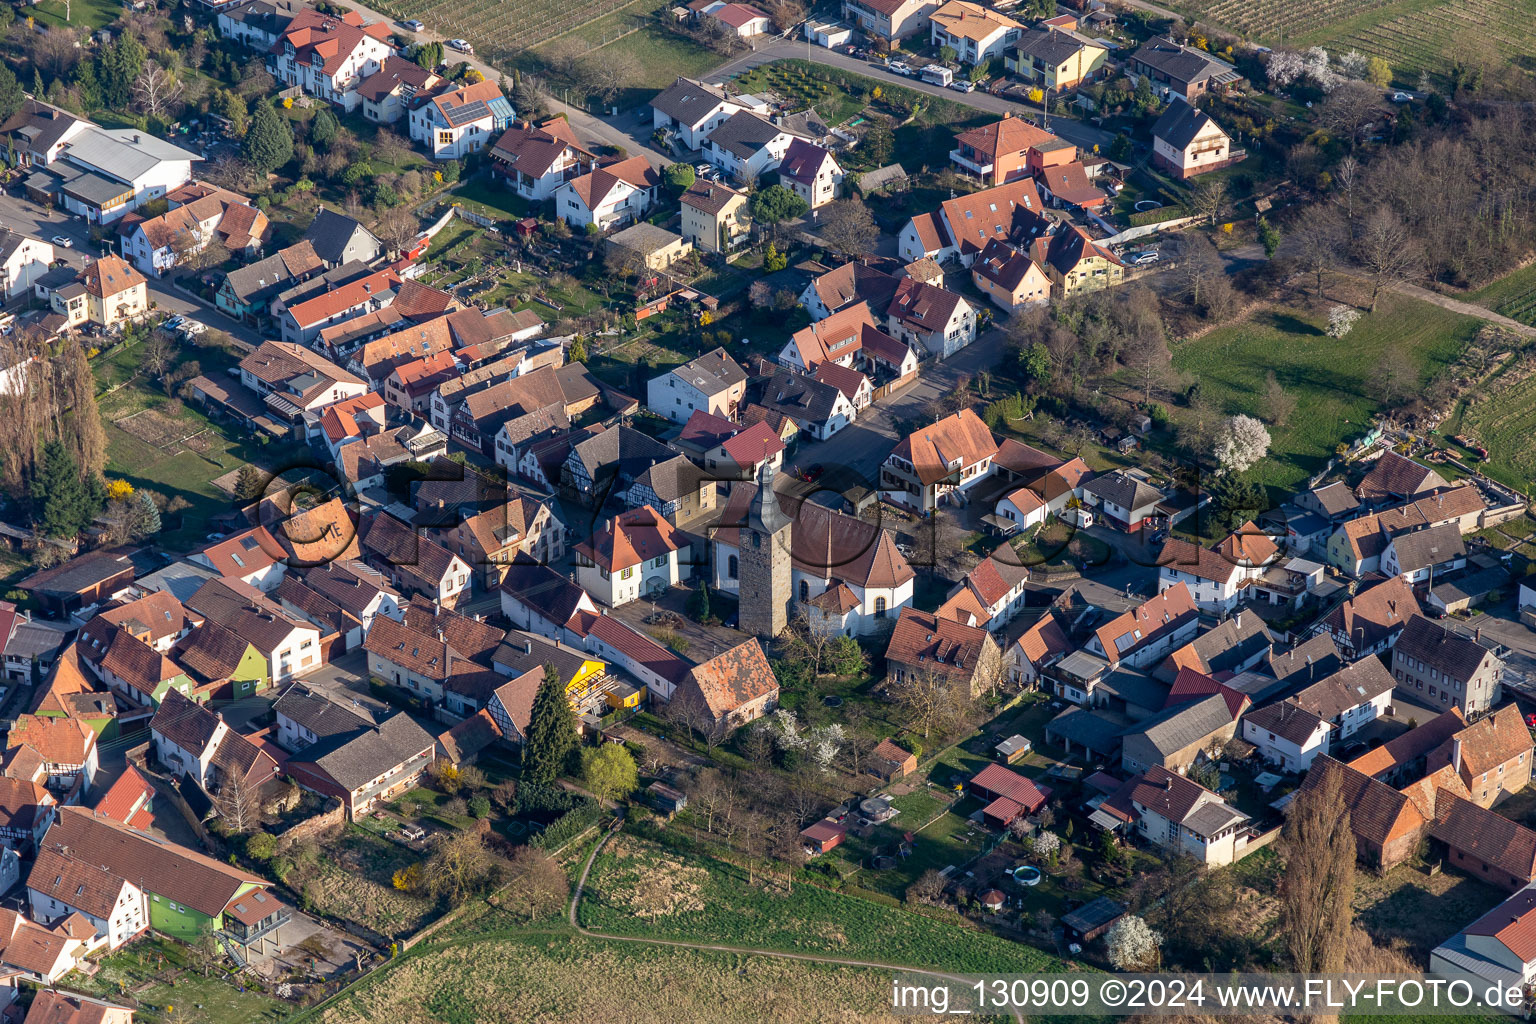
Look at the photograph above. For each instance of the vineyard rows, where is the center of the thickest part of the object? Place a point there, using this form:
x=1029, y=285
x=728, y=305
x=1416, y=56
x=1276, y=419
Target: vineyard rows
x=1426, y=40
x=1521, y=308
x=1282, y=19
x=1504, y=422
x=500, y=28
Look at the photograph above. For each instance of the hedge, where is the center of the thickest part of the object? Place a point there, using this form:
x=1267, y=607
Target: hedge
x=568, y=826
x=1156, y=216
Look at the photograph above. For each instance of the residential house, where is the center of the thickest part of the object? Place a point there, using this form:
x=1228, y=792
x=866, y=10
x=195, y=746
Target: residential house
x=1349, y=699
x=1405, y=757
x=1421, y=555
x=330, y=55
x=1334, y=502
x=1056, y=59
x=26, y=811
x=1287, y=735
x=30, y=952
x=1431, y=661
x=747, y=145
x=114, y=292
x=492, y=539
x=1372, y=620
x=1001, y=152
x=414, y=563
x=1179, y=736
x=742, y=453
x=22, y=261
x=584, y=674
x=853, y=384
x=609, y=196
x=363, y=763
x=930, y=318
x=36, y=133
x=975, y=33
x=1484, y=843
x=247, y=292
x=256, y=24
x=1127, y=501
x=215, y=655
x=1492, y=756
x=537, y=160
x=1233, y=645
x=923, y=644
x=636, y=555
x=1143, y=635
x=1187, y=141
x=929, y=467
x=1396, y=478
x=340, y=240
x=729, y=690
x=818, y=409
x=657, y=667
x=50, y=1007
x=1356, y=547
x=1176, y=70
x=846, y=574
x=388, y=93
x=677, y=489
x=962, y=226
x=1065, y=184
x=292, y=380
x=302, y=322
x=741, y=20
x=608, y=463
x=1495, y=950
x=1075, y=263
x=537, y=599
x=454, y=122
x=1181, y=816
x=715, y=216
x=511, y=705
x=199, y=215
x=193, y=741
x=425, y=662
x=1010, y=278
x=854, y=283
x=645, y=246
x=132, y=668
x=290, y=644
x=254, y=557
x=358, y=589
x=991, y=594
x=890, y=21
x=811, y=172
x=183, y=894
x=156, y=619
x=1037, y=649
x=692, y=110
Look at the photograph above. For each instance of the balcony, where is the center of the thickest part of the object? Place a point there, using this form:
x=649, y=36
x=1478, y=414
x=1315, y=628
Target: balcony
x=968, y=163
x=248, y=934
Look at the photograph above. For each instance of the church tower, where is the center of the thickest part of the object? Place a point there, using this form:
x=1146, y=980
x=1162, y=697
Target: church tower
x=765, y=583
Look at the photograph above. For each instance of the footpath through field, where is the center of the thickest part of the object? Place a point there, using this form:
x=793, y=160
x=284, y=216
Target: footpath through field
x=581, y=884
x=1464, y=308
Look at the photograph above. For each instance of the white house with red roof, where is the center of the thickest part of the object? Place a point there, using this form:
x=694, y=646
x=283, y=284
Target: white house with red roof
x=811, y=172
x=452, y=123
x=931, y=466
x=962, y=226
x=931, y=318
x=537, y=159
x=637, y=553
x=990, y=595
x=354, y=419
x=742, y=455
x=328, y=55
x=253, y=557
x=1145, y=634
x=1022, y=506
x=610, y=196
x=302, y=322
x=1498, y=949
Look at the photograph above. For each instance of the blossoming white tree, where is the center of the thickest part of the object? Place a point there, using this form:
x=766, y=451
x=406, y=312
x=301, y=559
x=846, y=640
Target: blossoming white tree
x=1133, y=945
x=1242, y=442
x=1341, y=320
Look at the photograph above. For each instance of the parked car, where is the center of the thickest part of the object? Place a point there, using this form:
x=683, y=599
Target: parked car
x=192, y=328
x=898, y=68
x=412, y=25
x=1402, y=97
x=63, y=242
x=461, y=45
x=962, y=86
x=173, y=325
x=1141, y=259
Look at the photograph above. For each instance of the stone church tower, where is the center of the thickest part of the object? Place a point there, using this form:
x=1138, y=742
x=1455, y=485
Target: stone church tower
x=765, y=582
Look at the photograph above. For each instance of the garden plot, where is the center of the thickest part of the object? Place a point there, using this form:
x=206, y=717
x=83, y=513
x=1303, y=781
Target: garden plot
x=172, y=436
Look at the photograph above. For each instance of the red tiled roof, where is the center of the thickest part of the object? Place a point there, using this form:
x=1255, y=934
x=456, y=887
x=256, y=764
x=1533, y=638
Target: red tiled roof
x=1004, y=782
x=960, y=436
x=752, y=445
x=127, y=796
x=633, y=537
x=1152, y=619
x=727, y=681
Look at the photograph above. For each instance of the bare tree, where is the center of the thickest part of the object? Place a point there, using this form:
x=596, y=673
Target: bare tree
x=1315, y=244
x=538, y=887
x=156, y=90
x=608, y=73
x=1349, y=187
x=1199, y=265
x=56, y=51
x=1387, y=250
x=1319, y=880
x=157, y=354
x=714, y=795
x=1208, y=198
x=848, y=228
x=398, y=228
x=1278, y=403
x=930, y=698
x=808, y=638
x=205, y=953
x=1349, y=108
x=239, y=804
x=1147, y=355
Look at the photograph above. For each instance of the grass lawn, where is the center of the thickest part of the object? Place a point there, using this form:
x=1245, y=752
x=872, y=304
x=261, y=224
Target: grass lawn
x=638, y=888
x=146, y=970
x=485, y=195
x=168, y=446
x=562, y=978
x=1329, y=378
x=1056, y=545
x=1514, y=294
x=1420, y=909
x=83, y=14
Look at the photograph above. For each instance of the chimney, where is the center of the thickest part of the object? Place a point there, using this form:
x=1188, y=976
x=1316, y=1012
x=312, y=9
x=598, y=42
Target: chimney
x=1477, y=634
x=1168, y=784
x=1237, y=620
x=1456, y=754
x=527, y=646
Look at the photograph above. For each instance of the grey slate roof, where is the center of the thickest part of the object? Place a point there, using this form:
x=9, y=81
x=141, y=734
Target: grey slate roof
x=1051, y=47
x=1452, y=653
x=800, y=398
x=1424, y=548
x=744, y=133
x=1180, y=63
x=687, y=101
x=1180, y=124
x=354, y=759
x=321, y=716
x=623, y=450
x=1184, y=724
x=331, y=233
x=1125, y=491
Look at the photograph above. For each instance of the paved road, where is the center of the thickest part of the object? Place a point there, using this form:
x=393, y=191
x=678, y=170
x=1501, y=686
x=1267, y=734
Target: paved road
x=1084, y=136
x=959, y=983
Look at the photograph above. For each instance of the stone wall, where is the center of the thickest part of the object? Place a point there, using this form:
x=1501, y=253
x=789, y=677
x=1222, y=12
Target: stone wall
x=333, y=816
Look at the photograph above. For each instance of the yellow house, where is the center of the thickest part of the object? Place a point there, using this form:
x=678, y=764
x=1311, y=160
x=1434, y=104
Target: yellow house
x=1010, y=278
x=655, y=248
x=115, y=291
x=714, y=216
x=1056, y=59
x=1076, y=263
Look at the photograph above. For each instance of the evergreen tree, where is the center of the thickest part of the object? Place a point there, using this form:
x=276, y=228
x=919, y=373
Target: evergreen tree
x=116, y=69
x=578, y=352
x=249, y=482
x=323, y=129
x=551, y=731
x=144, y=520
x=269, y=140
x=60, y=502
